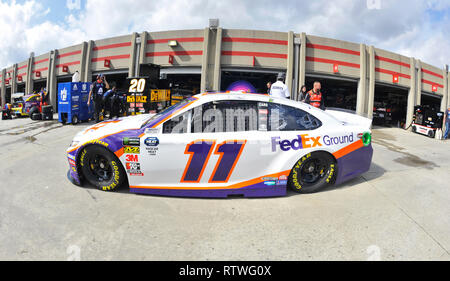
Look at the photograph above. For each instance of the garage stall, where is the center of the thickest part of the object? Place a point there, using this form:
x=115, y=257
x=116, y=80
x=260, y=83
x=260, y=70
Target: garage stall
x=339, y=93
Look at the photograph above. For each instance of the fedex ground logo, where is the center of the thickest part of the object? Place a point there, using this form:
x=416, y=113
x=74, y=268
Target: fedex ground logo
x=301, y=142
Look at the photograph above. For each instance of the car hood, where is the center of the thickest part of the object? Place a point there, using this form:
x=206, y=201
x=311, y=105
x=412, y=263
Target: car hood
x=107, y=128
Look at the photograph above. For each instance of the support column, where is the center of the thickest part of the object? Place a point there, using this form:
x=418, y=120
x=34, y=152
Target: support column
x=88, y=70
x=295, y=90
x=218, y=60
x=143, y=49
x=411, y=93
x=84, y=50
x=302, y=61
x=290, y=63
x=29, y=83
x=204, y=84
x=14, y=80
x=362, y=84
x=51, y=80
x=3, y=88
x=371, y=97
x=135, y=52
x=418, y=68
x=444, y=100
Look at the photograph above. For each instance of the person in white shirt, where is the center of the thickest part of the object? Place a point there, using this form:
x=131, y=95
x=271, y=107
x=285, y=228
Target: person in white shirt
x=279, y=89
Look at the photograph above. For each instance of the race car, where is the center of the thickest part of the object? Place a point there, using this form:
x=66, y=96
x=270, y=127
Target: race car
x=23, y=106
x=224, y=144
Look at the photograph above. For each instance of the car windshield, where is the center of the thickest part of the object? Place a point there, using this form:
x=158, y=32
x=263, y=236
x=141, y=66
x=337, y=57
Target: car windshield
x=166, y=112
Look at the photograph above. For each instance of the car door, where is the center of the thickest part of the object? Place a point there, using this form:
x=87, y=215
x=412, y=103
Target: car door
x=215, y=145
x=292, y=133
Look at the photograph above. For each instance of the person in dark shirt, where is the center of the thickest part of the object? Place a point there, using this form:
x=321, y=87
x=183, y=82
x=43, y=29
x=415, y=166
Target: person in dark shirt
x=98, y=88
x=447, y=123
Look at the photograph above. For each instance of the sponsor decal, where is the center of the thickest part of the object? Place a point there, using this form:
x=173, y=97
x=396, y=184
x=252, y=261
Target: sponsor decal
x=152, y=141
x=328, y=141
x=84, y=87
x=132, y=158
x=283, y=182
x=132, y=141
x=131, y=150
x=283, y=178
x=70, y=156
x=302, y=142
x=75, y=87
x=64, y=94
x=269, y=179
x=270, y=183
x=134, y=169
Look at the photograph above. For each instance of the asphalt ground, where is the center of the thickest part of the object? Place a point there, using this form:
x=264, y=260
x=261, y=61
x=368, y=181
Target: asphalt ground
x=399, y=210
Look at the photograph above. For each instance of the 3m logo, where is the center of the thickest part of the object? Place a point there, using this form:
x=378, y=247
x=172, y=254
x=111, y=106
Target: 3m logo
x=132, y=158
x=131, y=150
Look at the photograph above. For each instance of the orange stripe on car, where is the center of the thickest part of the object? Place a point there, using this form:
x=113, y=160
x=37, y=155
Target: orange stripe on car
x=348, y=149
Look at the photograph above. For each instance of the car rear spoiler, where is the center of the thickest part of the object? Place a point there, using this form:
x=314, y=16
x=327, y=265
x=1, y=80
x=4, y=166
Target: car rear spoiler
x=350, y=117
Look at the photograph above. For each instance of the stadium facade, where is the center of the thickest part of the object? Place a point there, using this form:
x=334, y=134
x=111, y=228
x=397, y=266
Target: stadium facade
x=355, y=76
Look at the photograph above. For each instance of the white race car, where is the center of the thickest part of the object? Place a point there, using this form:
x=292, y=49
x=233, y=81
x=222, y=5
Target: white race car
x=224, y=144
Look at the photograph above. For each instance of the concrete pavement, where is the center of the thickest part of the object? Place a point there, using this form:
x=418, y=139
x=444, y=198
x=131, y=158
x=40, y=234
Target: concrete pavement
x=399, y=210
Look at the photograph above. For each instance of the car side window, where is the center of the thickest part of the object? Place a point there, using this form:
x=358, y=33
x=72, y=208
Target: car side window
x=178, y=124
x=287, y=118
x=225, y=116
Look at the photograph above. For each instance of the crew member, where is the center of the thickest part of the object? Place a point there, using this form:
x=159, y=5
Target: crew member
x=107, y=100
x=269, y=86
x=43, y=96
x=315, y=97
x=447, y=123
x=302, y=93
x=96, y=94
x=279, y=89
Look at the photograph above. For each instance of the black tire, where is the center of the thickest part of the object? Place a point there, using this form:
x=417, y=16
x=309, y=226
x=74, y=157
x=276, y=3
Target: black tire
x=313, y=173
x=33, y=111
x=431, y=134
x=414, y=129
x=102, y=168
x=75, y=120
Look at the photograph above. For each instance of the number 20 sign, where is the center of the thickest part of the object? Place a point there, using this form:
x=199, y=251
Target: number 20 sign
x=200, y=152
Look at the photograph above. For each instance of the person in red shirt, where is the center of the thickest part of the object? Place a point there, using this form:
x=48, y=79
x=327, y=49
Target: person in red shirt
x=315, y=97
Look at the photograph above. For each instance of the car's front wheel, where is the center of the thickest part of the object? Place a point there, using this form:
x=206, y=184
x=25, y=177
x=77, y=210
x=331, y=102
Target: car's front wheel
x=312, y=173
x=102, y=168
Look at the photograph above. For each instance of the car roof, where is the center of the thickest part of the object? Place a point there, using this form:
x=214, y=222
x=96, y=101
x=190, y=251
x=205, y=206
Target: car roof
x=217, y=96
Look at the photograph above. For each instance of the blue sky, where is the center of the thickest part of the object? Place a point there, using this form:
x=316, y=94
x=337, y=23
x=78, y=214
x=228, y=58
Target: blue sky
x=417, y=28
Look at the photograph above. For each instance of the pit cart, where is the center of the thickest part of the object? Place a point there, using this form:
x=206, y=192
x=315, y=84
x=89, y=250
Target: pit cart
x=72, y=102
x=427, y=120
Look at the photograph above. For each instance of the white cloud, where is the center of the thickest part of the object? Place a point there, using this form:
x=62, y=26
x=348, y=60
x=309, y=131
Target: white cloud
x=400, y=26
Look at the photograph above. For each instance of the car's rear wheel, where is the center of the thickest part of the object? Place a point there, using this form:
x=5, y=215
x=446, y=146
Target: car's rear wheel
x=32, y=112
x=313, y=173
x=102, y=168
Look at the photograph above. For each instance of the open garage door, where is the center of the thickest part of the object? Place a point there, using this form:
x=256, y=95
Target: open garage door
x=7, y=95
x=253, y=80
x=433, y=101
x=183, y=82
x=21, y=88
x=390, y=105
x=116, y=78
x=39, y=84
x=338, y=92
